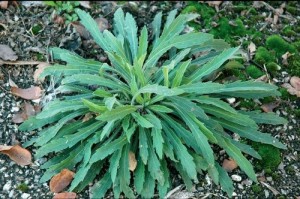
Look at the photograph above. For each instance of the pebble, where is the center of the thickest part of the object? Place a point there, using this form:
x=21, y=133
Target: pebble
x=7, y=186
x=236, y=178
x=267, y=194
x=25, y=195
x=269, y=179
x=11, y=194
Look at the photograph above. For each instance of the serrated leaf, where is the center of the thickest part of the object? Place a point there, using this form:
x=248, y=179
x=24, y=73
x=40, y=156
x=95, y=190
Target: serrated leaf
x=160, y=108
x=148, y=189
x=94, y=107
x=102, y=93
x=213, y=65
x=246, y=149
x=143, y=145
x=170, y=18
x=180, y=73
x=265, y=118
x=139, y=176
x=109, y=102
x=202, y=87
x=131, y=33
x=117, y=113
x=108, y=149
x=114, y=164
x=119, y=22
x=163, y=189
x=215, y=102
x=101, y=187
x=107, y=129
x=158, y=141
x=142, y=121
x=225, y=181
x=155, y=121
x=143, y=43
x=156, y=25
x=88, y=22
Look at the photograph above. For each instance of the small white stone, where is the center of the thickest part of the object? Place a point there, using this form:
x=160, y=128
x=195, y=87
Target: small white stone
x=269, y=179
x=15, y=109
x=267, y=193
x=7, y=186
x=11, y=194
x=236, y=178
x=25, y=195
x=240, y=186
x=234, y=194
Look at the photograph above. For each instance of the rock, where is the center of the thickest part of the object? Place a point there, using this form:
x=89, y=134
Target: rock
x=236, y=178
x=25, y=195
x=7, y=186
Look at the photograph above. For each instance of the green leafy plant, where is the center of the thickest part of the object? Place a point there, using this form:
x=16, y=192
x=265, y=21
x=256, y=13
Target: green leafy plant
x=153, y=100
x=65, y=8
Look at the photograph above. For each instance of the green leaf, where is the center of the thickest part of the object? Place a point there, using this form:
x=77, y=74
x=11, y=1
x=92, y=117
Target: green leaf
x=124, y=173
x=213, y=65
x=142, y=121
x=131, y=33
x=156, y=25
x=108, y=149
x=202, y=87
x=225, y=181
x=170, y=18
x=107, y=129
x=119, y=22
x=160, y=108
x=148, y=189
x=246, y=149
x=109, y=102
x=264, y=118
x=180, y=72
x=158, y=141
x=236, y=154
x=73, y=88
x=186, y=179
x=215, y=102
x=155, y=121
x=88, y=22
x=143, y=43
x=181, y=152
x=139, y=176
x=114, y=164
x=115, y=45
x=101, y=187
x=94, y=107
x=163, y=189
x=143, y=145
x=102, y=93
x=251, y=133
x=117, y=113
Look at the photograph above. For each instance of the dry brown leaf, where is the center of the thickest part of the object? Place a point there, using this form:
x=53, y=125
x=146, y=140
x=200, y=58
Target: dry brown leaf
x=39, y=70
x=87, y=117
x=132, y=161
x=295, y=82
x=18, y=154
x=252, y=47
x=102, y=24
x=65, y=195
x=285, y=56
x=28, y=93
x=3, y=4
x=6, y=53
x=81, y=30
x=85, y=4
x=229, y=164
x=27, y=111
x=58, y=20
x=61, y=180
x=270, y=106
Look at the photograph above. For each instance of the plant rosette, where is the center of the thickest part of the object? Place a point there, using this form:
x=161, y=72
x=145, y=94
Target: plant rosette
x=152, y=104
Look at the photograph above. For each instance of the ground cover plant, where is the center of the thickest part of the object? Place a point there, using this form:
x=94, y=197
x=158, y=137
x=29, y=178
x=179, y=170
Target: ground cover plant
x=152, y=107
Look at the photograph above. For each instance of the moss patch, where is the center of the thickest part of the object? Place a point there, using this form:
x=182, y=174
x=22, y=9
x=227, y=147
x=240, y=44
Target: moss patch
x=23, y=187
x=279, y=45
x=254, y=72
x=263, y=56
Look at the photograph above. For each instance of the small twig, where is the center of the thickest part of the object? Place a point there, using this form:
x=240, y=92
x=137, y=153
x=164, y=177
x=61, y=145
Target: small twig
x=20, y=62
x=173, y=191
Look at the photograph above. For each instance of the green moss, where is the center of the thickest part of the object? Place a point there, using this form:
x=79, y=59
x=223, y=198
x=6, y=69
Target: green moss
x=254, y=72
x=287, y=31
x=272, y=68
x=23, y=187
x=248, y=104
x=268, y=171
x=294, y=65
x=297, y=113
x=290, y=169
x=256, y=188
x=297, y=45
x=226, y=31
x=285, y=95
x=263, y=56
x=292, y=10
x=206, y=13
x=270, y=155
x=279, y=45
x=281, y=197
x=276, y=176
x=267, y=100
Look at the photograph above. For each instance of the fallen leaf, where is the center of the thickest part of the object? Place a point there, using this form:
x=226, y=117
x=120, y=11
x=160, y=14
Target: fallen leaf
x=39, y=70
x=3, y=4
x=285, y=56
x=132, y=161
x=6, y=53
x=102, y=24
x=58, y=19
x=85, y=4
x=16, y=153
x=87, y=117
x=270, y=106
x=295, y=82
x=11, y=82
x=274, y=191
x=27, y=111
x=28, y=93
x=61, y=180
x=65, y=195
x=81, y=30
x=251, y=49
x=229, y=164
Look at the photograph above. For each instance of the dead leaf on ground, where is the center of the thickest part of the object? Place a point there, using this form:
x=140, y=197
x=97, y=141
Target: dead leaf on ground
x=3, y=4
x=85, y=4
x=274, y=191
x=294, y=87
x=61, y=180
x=229, y=164
x=81, y=30
x=65, y=195
x=28, y=93
x=16, y=153
x=270, y=106
x=251, y=49
x=6, y=53
x=215, y=4
x=285, y=56
x=27, y=111
x=132, y=161
x=102, y=24
x=39, y=70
